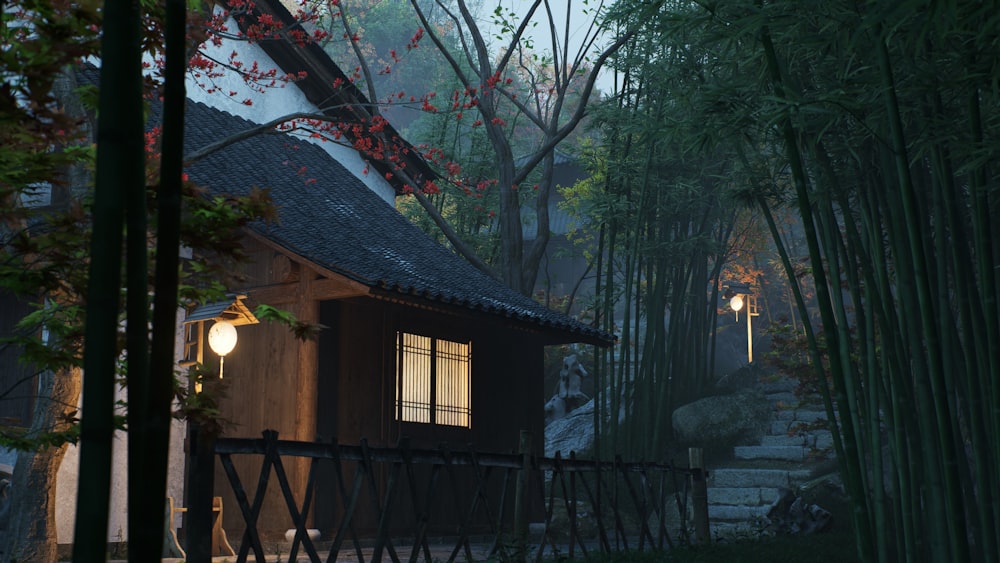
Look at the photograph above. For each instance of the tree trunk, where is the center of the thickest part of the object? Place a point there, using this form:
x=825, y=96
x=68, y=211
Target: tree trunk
x=31, y=535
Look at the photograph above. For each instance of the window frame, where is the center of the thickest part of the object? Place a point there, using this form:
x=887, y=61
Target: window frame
x=432, y=406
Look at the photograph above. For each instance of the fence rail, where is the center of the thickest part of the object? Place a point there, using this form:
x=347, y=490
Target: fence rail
x=628, y=502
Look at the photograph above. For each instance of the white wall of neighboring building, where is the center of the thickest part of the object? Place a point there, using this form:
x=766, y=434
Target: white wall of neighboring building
x=270, y=104
x=66, y=481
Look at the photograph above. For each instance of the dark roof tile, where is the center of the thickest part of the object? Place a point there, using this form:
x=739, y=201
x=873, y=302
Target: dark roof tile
x=331, y=218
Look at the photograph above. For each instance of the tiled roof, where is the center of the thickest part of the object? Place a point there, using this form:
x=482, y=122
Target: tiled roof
x=329, y=217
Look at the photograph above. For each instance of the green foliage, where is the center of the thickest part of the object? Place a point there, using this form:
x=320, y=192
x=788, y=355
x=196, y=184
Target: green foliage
x=202, y=408
x=301, y=329
x=46, y=203
x=37, y=40
x=875, y=124
x=17, y=439
x=662, y=226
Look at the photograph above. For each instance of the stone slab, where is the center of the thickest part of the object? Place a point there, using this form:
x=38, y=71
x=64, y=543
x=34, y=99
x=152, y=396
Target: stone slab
x=749, y=478
x=809, y=415
x=750, y=496
x=785, y=453
x=824, y=440
x=779, y=427
x=729, y=513
x=785, y=440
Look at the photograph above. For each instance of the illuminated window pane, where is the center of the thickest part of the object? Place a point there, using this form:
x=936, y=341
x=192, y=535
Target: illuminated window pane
x=452, y=383
x=433, y=381
x=415, y=373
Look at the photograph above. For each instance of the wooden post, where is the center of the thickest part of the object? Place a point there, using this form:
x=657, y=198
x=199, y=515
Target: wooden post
x=699, y=495
x=521, y=499
x=200, y=492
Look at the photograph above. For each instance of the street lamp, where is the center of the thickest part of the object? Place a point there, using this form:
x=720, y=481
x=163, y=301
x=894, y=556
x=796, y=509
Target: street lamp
x=200, y=486
x=736, y=302
x=226, y=316
x=740, y=294
x=222, y=339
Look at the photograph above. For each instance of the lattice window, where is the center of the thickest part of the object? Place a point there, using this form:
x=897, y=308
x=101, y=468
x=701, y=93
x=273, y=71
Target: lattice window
x=433, y=380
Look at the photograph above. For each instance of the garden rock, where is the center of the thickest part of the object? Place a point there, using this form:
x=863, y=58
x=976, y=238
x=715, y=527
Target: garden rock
x=790, y=514
x=574, y=432
x=735, y=419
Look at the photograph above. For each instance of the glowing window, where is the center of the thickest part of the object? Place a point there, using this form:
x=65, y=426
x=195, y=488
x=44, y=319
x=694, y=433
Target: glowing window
x=433, y=380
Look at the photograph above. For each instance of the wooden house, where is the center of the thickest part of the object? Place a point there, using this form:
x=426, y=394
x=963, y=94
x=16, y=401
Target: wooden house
x=416, y=341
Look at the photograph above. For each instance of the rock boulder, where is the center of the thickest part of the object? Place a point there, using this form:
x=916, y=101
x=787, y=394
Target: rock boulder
x=572, y=432
x=735, y=419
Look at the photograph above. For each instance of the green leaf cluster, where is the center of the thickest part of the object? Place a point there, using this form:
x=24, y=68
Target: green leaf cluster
x=875, y=124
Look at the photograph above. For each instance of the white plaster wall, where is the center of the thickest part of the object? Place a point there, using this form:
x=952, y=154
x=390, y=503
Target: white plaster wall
x=66, y=481
x=66, y=491
x=271, y=104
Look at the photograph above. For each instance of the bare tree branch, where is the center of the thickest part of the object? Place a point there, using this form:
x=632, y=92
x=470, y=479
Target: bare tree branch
x=455, y=67
x=362, y=62
x=460, y=245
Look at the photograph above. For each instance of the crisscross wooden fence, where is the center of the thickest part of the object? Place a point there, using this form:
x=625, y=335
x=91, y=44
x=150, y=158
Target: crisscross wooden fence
x=626, y=504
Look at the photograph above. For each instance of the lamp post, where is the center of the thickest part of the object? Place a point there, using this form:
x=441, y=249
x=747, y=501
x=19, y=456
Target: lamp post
x=740, y=294
x=198, y=525
x=200, y=486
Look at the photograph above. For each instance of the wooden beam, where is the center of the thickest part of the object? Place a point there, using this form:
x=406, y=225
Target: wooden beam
x=326, y=289
x=278, y=294
x=323, y=289
x=307, y=383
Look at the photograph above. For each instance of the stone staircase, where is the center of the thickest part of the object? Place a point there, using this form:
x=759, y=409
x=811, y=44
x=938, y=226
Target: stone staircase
x=741, y=493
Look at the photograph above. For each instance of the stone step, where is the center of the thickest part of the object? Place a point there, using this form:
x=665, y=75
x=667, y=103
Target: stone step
x=800, y=415
x=785, y=440
x=739, y=477
x=824, y=440
x=785, y=453
x=780, y=427
x=749, y=477
x=819, y=439
x=749, y=496
x=730, y=513
x=783, y=427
